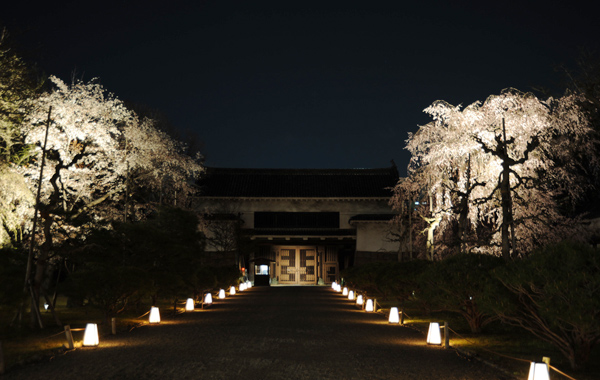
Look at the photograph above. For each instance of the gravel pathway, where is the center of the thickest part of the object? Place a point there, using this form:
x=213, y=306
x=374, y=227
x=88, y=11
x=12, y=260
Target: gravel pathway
x=265, y=333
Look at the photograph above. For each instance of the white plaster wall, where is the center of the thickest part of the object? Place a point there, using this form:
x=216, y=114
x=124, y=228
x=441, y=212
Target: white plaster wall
x=374, y=237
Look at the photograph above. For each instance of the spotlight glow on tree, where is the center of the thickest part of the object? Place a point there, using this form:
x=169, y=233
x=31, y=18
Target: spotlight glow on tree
x=495, y=170
x=95, y=148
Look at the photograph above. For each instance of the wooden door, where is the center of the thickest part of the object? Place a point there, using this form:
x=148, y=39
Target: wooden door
x=297, y=266
x=287, y=266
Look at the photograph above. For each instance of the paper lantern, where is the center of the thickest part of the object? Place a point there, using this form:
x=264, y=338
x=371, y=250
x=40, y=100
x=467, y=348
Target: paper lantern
x=333, y=285
x=248, y=284
x=154, y=315
x=242, y=286
x=351, y=295
x=232, y=290
x=394, y=316
x=345, y=291
x=90, y=336
x=359, y=300
x=538, y=371
x=189, y=305
x=208, y=299
x=433, y=335
x=369, y=306
x=222, y=294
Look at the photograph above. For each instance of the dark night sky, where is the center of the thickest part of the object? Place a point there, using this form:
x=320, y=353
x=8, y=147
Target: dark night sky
x=301, y=84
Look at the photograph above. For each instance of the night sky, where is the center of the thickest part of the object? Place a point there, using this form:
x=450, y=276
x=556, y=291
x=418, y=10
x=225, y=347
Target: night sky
x=301, y=84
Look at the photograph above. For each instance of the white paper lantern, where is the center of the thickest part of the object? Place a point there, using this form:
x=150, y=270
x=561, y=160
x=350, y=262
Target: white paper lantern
x=90, y=336
x=369, y=306
x=242, y=286
x=333, y=285
x=345, y=291
x=359, y=300
x=232, y=291
x=154, y=315
x=208, y=299
x=189, y=305
x=538, y=371
x=222, y=294
x=433, y=335
x=394, y=316
x=351, y=295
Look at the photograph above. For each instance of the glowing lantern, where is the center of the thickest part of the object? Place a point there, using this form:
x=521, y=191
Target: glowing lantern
x=369, y=306
x=242, y=286
x=359, y=300
x=351, y=295
x=333, y=285
x=189, y=305
x=394, y=316
x=232, y=290
x=338, y=288
x=208, y=299
x=222, y=294
x=538, y=371
x=248, y=284
x=345, y=291
x=434, y=336
x=90, y=336
x=154, y=315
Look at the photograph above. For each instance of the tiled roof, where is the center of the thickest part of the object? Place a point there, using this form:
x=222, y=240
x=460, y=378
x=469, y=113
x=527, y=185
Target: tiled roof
x=298, y=183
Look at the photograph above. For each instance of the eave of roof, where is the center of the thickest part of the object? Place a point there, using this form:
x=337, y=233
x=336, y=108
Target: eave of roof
x=301, y=232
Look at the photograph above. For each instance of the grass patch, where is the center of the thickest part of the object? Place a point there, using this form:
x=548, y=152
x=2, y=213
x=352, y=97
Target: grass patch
x=496, y=342
x=25, y=345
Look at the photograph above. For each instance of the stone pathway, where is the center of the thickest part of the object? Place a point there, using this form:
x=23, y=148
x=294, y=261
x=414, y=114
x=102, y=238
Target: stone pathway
x=265, y=333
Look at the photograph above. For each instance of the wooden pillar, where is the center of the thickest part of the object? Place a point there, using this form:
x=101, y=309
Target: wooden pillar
x=69, y=336
x=446, y=335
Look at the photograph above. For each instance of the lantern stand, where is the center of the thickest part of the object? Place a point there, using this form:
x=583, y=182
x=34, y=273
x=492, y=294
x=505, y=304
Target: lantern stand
x=207, y=300
x=539, y=371
x=90, y=335
x=433, y=334
x=393, y=317
x=154, y=317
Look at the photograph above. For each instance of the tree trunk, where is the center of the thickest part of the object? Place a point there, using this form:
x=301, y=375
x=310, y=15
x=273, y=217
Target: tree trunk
x=41, y=264
x=506, y=214
x=506, y=200
x=463, y=217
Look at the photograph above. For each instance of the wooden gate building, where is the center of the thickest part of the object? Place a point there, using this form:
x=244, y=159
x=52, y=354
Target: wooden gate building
x=298, y=226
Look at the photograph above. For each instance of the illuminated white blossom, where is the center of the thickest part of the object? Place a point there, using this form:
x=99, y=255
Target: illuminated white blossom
x=452, y=158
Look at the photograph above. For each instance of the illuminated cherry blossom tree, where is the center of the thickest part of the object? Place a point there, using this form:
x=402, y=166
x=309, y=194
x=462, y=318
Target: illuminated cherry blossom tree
x=498, y=170
x=96, y=147
x=17, y=91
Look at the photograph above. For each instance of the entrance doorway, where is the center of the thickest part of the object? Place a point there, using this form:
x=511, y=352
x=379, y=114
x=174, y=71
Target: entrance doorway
x=297, y=265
